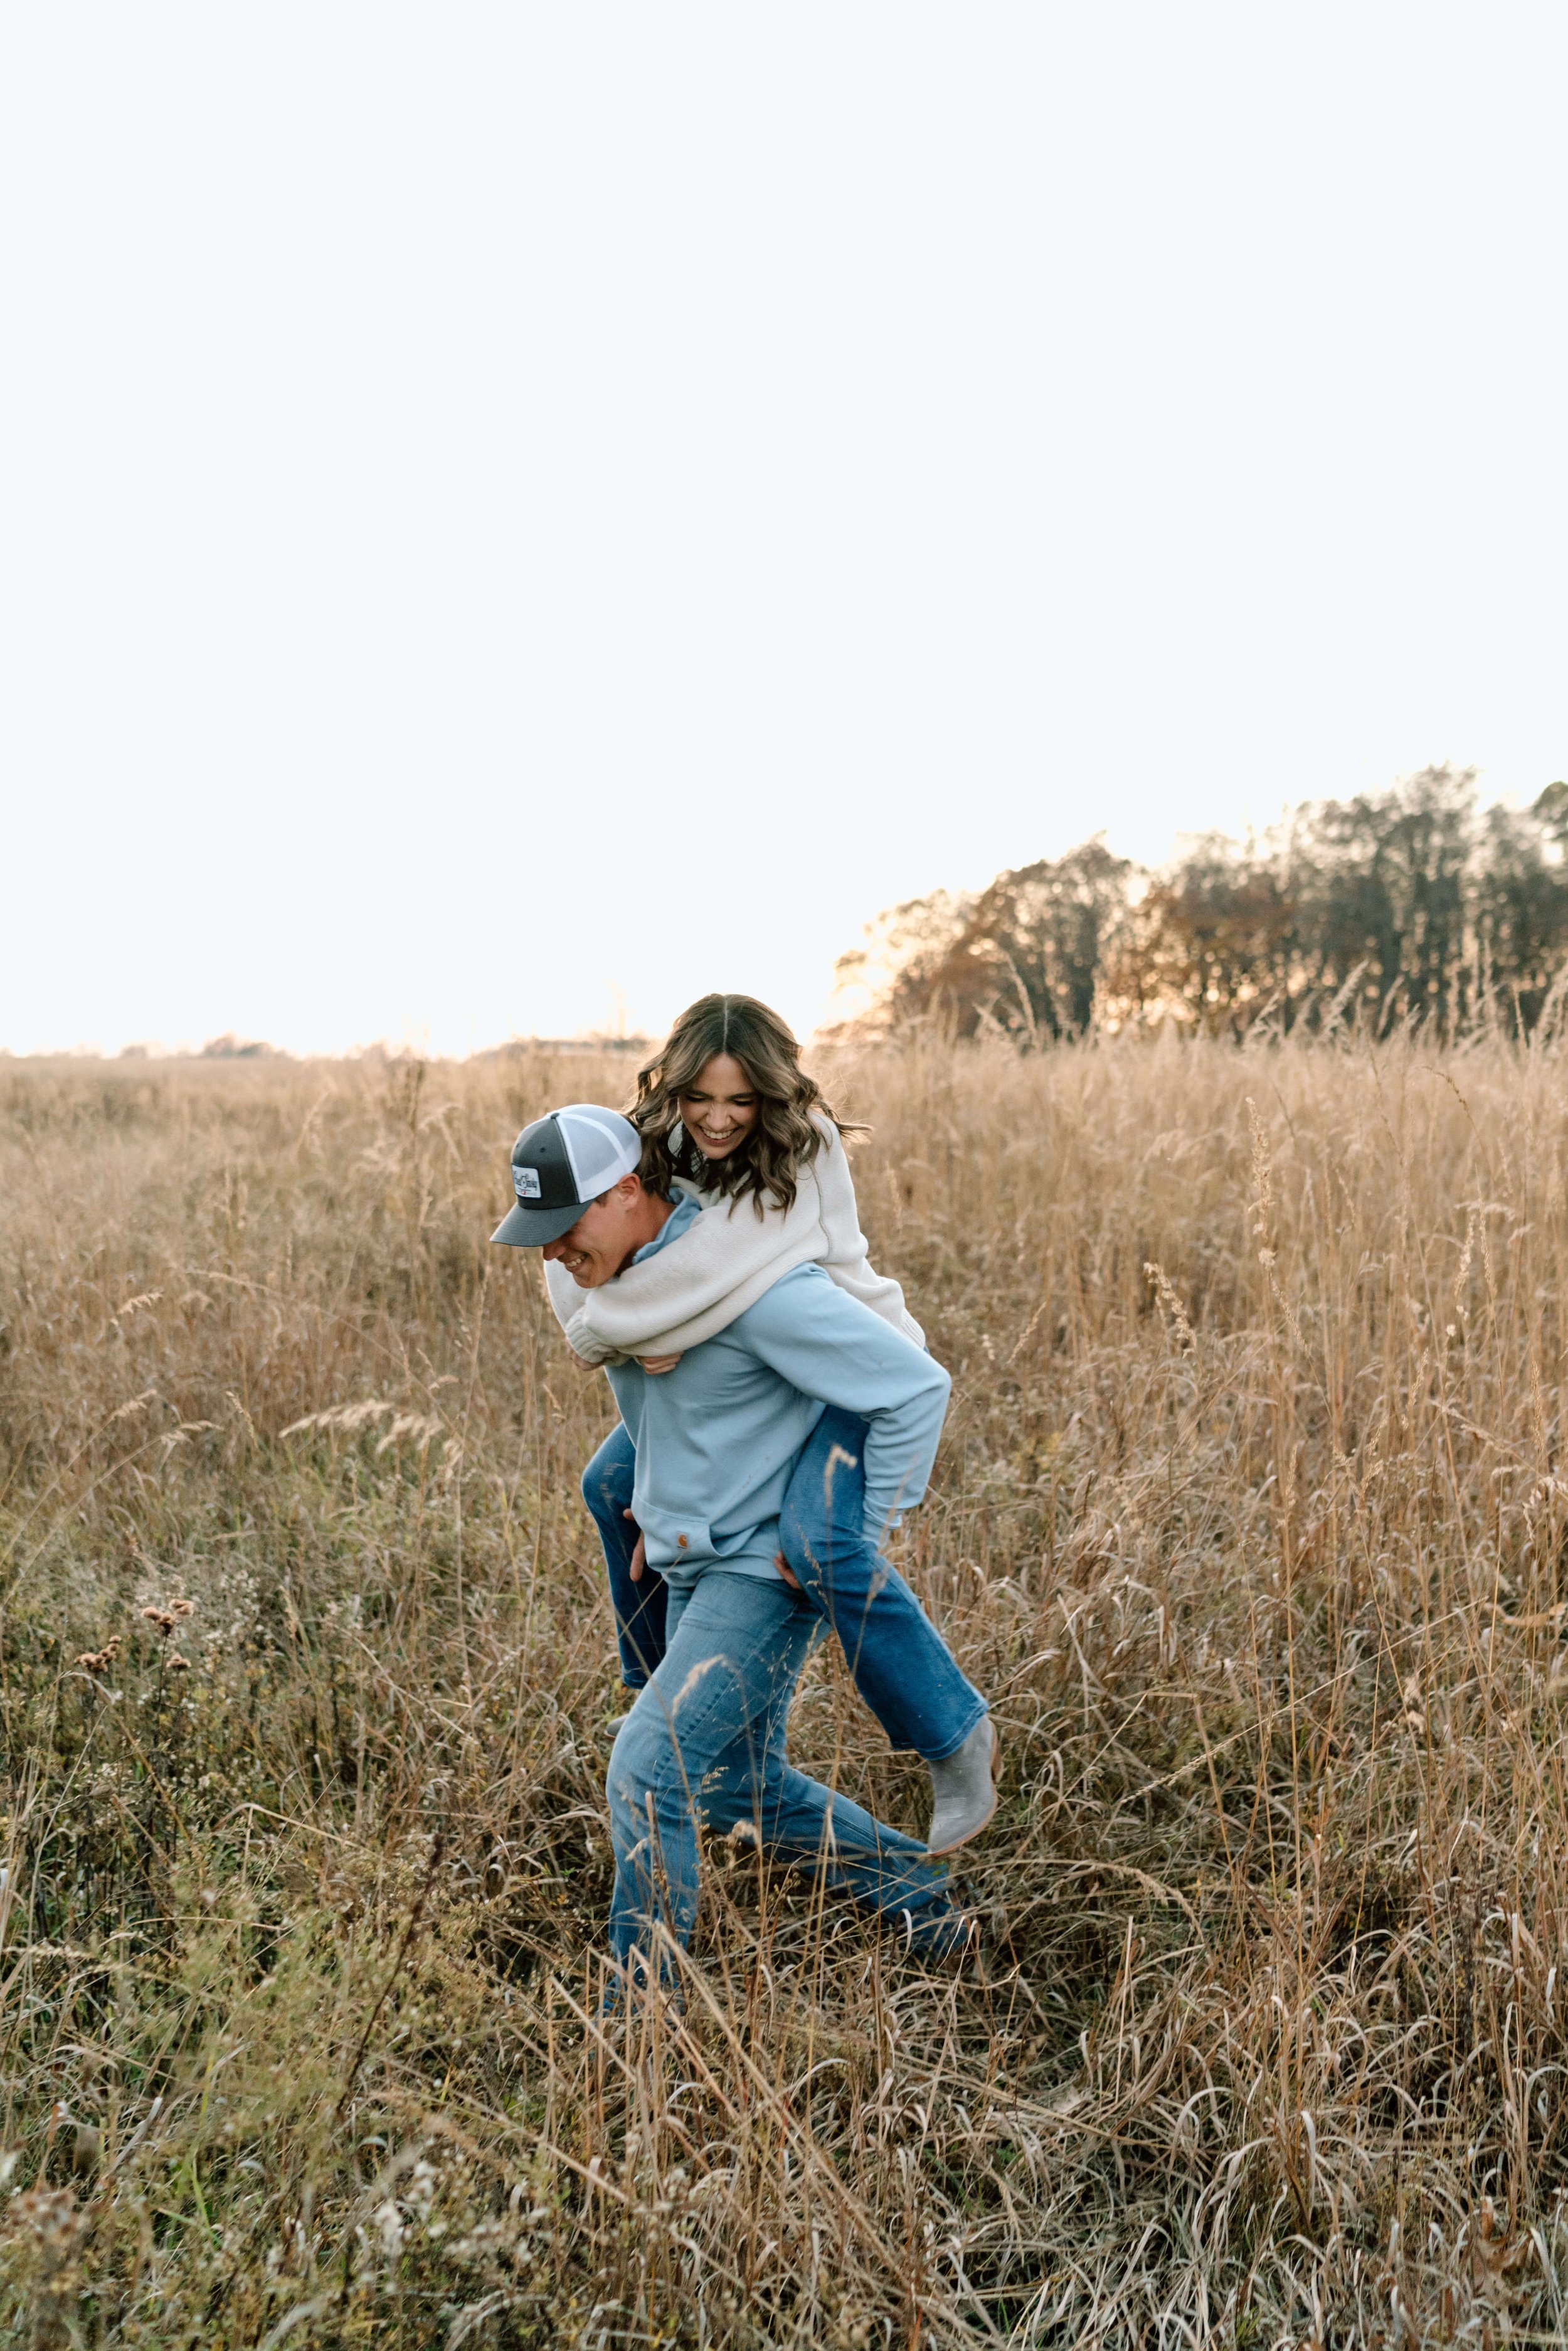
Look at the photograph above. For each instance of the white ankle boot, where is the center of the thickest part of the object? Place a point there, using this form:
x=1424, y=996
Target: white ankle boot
x=964, y=1788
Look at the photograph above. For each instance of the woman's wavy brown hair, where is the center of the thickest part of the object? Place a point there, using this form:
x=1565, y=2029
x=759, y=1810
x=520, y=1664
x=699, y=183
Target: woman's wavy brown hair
x=783, y=1140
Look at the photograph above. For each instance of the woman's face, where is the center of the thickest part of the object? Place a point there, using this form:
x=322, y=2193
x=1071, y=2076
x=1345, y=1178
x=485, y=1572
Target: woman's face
x=720, y=1109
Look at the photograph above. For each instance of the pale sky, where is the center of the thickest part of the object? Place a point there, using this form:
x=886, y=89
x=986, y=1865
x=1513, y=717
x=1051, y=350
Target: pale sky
x=513, y=516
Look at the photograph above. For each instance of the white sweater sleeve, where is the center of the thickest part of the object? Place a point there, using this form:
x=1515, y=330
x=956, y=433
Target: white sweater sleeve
x=721, y=1265
x=729, y=1258
x=848, y=1258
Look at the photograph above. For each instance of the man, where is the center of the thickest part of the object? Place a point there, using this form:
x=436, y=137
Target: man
x=717, y=1438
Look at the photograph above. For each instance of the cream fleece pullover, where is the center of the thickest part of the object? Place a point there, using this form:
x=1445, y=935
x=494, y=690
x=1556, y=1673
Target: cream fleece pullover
x=730, y=1257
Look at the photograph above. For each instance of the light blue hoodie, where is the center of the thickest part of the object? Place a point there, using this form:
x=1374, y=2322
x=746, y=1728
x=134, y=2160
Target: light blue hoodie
x=717, y=1438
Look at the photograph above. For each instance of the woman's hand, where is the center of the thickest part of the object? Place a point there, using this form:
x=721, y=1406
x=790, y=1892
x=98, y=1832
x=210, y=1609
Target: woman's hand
x=639, y=1555
x=654, y=1364
x=790, y=1578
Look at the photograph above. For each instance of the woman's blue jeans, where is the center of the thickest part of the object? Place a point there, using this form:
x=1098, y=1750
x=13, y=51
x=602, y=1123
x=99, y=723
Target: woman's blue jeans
x=902, y=1666
x=706, y=1742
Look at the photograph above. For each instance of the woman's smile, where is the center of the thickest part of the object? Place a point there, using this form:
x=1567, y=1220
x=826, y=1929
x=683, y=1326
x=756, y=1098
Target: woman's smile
x=721, y=1109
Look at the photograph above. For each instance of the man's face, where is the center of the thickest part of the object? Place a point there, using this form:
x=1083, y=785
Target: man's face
x=603, y=1237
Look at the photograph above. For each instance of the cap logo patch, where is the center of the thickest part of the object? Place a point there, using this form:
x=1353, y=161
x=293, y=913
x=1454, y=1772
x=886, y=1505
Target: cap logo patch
x=526, y=1183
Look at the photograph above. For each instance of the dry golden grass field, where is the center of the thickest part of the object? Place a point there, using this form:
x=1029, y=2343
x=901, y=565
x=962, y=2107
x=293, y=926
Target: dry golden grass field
x=1260, y=1553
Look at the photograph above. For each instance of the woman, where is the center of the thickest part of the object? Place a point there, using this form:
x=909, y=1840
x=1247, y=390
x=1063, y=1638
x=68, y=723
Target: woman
x=726, y=1113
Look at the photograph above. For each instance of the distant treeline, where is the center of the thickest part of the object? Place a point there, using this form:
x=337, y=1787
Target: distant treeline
x=1410, y=905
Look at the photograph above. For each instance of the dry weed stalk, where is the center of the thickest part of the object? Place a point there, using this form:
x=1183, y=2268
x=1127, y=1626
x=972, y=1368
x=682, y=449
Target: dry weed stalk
x=1251, y=1515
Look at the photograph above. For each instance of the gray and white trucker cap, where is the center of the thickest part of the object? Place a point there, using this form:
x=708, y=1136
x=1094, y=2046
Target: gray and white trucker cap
x=560, y=1164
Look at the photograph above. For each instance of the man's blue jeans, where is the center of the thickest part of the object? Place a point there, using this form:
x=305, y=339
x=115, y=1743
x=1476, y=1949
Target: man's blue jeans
x=705, y=1739
x=902, y=1666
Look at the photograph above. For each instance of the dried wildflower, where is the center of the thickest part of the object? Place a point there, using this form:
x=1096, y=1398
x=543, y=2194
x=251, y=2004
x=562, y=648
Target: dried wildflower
x=50, y=2214
x=165, y=1619
x=98, y=1661
x=51, y=2222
